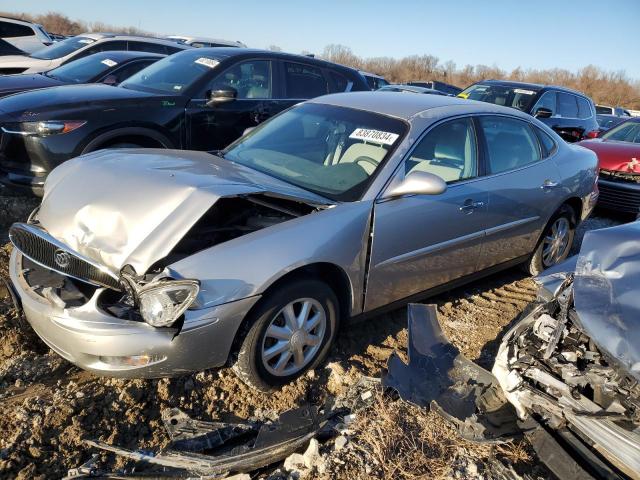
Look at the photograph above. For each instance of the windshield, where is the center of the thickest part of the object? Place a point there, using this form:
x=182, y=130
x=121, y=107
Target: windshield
x=83, y=69
x=520, y=98
x=332, y=151
x=627, y=132
x=173, y=74
x=60, y=49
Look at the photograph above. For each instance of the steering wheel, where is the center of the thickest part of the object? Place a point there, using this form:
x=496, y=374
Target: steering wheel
x=367, y=160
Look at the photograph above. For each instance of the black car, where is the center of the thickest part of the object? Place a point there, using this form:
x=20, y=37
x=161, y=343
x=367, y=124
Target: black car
x=110, y=68
x=570, y=113
x=198, y=99
x=440, y=86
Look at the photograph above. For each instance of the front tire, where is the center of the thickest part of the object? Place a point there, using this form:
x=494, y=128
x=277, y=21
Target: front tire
x=555, y=243
x=291, y=331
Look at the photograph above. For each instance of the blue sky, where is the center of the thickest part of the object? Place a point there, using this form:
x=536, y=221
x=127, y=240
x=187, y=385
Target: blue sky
x=505, y=33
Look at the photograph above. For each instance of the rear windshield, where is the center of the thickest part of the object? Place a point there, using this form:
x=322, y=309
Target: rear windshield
x=508, y=96
x=63, y=48
x=173, y=74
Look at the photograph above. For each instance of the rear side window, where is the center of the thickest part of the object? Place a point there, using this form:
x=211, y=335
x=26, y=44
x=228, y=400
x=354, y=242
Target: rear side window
x=549, y=146
x=101, y=47
x=567, y=105
x=10, y=30
x=548, y=101
x=147, y=47
x=304, y=81
x=340, y=82
x=584, y=109
x=510, y=143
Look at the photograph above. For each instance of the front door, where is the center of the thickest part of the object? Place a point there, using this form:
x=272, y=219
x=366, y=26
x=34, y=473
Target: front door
x=422, y=241
x=216, y=126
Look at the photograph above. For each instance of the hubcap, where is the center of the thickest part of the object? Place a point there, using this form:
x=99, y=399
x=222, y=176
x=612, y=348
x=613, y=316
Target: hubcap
x=556, y=242
x=293, y=337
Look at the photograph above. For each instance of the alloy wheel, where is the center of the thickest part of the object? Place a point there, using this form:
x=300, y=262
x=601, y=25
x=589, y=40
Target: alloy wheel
x=294, y=337
x=556, y=242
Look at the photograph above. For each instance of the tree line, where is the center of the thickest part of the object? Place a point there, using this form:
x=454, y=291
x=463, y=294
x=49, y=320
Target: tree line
x=604, y=87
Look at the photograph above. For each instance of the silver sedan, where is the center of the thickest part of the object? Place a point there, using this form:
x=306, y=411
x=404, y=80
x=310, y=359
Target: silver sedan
x=148, y=263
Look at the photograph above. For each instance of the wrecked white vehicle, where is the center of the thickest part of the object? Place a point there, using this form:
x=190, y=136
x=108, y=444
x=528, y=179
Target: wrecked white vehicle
x=566, y=375
x=145, y=263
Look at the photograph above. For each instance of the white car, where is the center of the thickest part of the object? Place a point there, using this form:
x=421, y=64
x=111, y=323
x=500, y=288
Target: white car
x=199, y=42
x=21, y=36
x=82, y=45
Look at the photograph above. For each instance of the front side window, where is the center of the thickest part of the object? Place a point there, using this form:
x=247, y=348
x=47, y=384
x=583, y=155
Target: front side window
x=147, y=47
x=627, y=132
x=304, y=81
x=548, y=101
x=121, y=74
x=107, y=46
x=448, y=151
x=332, y=151
x=505, y=95
x=600, y=110
x=174, y=74
x=63, y=48
x=340, y=82
x=250, y=79
x=511, y=143
x=567, y=105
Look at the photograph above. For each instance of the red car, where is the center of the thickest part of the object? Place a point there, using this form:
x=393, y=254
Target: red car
x=618, y=152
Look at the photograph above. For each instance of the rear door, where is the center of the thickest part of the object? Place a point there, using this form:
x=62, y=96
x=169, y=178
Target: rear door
x=422, y=241
x=523, y=184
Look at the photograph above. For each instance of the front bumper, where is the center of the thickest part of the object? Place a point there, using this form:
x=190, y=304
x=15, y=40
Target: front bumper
x=96, y=341
x=620, y=196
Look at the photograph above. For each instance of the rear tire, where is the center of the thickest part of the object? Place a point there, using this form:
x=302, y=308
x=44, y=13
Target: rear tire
x=555, y=243
x=291, y=331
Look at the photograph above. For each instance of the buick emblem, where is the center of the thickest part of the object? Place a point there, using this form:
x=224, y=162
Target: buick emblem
x=62, y=258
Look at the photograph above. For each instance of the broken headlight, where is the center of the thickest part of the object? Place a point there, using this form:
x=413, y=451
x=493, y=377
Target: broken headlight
x=162, y=303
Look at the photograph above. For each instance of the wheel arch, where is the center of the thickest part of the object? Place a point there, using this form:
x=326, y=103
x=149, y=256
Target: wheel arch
x=152, y=137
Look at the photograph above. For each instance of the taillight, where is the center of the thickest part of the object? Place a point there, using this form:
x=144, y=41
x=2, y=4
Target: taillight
x=593, y=134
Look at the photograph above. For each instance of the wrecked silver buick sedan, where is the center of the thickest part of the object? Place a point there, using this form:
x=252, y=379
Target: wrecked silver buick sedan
x=146, y=263
x=566, y=375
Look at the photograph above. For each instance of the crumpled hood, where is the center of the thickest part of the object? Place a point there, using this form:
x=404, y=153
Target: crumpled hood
x=615, y=155
x=132, y=206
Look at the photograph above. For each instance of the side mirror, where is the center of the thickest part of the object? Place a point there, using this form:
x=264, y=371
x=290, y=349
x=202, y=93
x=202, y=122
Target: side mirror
x=418, y=183
x=110, y=80
x=543, y=113
x=221, y=96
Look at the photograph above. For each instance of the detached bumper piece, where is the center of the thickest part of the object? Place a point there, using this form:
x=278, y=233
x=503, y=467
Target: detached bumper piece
x=216, y=449
x=439, y=377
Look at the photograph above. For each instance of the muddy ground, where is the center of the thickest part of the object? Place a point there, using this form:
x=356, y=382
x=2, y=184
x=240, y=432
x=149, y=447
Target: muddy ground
x=47, y=406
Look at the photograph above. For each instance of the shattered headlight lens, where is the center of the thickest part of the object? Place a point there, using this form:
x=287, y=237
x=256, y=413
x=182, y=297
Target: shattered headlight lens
x=163, y=302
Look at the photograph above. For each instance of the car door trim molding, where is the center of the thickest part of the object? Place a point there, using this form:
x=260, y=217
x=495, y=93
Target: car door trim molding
x=507, y=226
x=430, y=249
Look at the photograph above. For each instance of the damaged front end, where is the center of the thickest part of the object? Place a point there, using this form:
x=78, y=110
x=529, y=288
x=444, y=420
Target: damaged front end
x=569, y=368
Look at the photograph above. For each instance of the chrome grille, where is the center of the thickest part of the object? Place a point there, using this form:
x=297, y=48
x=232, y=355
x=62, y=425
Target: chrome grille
x=36, y=244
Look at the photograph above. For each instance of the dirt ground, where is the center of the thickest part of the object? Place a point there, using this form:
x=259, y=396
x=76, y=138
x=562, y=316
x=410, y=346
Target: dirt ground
x=47, y=406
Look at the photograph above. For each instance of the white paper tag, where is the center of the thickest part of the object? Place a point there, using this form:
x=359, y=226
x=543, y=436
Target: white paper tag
x=376, y=136
x=86, y=40
x=109, y=63
x=524, y=92
x=207, y=62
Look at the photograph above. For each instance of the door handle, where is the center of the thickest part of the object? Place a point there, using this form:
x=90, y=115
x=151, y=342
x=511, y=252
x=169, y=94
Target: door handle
x=548, y=184
x=469, y=206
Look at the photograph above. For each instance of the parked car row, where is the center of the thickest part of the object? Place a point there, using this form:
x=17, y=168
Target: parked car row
x=150, y=261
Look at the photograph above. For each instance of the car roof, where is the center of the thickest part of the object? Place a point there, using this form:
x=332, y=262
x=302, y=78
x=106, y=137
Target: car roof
x=121, y=36
x=121, y=55
x=409, y=106
x=20, y=21
x=528, y=85
x=228, y=52
x=188, y=38
x=369, y=74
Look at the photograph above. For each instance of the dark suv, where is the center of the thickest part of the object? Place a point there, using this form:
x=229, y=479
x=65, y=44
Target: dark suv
x=198, y=99
x=570, y=113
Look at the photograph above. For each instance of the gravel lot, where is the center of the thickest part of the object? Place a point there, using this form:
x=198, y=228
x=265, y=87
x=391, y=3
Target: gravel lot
x=48, y=406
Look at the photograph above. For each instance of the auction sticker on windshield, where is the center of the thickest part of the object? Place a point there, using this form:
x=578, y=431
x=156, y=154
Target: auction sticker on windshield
x=207, y=62
x=109, y=63
x=524, y=92
x=376, y=136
